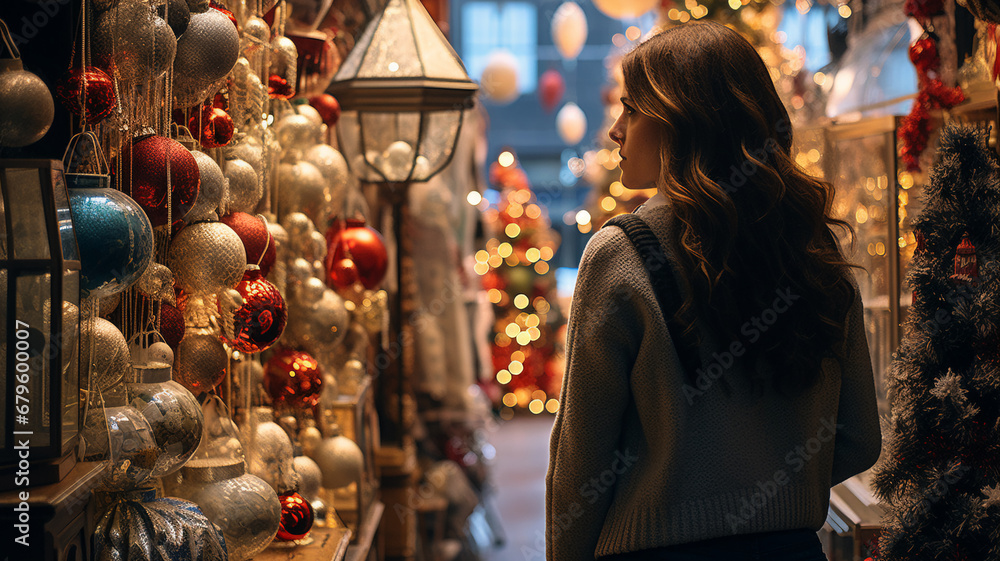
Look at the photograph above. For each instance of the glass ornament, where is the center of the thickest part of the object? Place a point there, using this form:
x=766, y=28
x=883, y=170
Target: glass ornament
x=122, y=436
x=171, y=324
x=343, y=273
x=297, y=132
x=115, y=239
x=256, y=35
x=500, y=77
x=298, y=226
x=155, y=355
x=311, y=290
x=213, y=189
x=88, y=93
x=103, y=353
x=247, y=94
x=131, y=43
x=174, y=415
x=622, y=9
x=299, y=271
x=189, y=91
x=145, y=167
x=245, y=189
x=297, y=517
x=317, y=326
x=139, y=527
x=220, y=453
x=270, y=455
x=303, y=189
x=551, y=87
x=208, y=49
x=571, y=123
x=195, y=273
x=331, y=164
x=351, y=239
x=261, y=249
x=247, y=511
x=339, y=459
x=283, y=73
x=310, y=438
x=176, y=13
x=350, y=376
x=310, y=477
x=259, y=321
x=249, y=150
x=157, y=283
x=212, y=126
x=328, y=107
x=569, y=29
x=200, y=362
x=293, y=379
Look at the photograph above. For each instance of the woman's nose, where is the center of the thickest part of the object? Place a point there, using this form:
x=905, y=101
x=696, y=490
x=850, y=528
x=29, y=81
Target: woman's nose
x=616, y=134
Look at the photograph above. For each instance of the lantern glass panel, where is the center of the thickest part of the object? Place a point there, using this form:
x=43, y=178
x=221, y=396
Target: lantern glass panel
x=64, y=218
x=31, y=343
x=440, y=60
x=393, y=51
x=3, y=346
x=349, y=142
x=3, y=231
x=390, y=139
x=28, y=225
x=437, y=142
x=70, y=355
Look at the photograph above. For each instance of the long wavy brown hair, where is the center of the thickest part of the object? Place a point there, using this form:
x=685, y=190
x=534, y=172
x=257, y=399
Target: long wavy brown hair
x=750, y=221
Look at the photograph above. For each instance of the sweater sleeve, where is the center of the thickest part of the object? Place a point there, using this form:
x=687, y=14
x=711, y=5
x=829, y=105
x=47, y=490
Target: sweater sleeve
x=602, y=341
x=859, y=436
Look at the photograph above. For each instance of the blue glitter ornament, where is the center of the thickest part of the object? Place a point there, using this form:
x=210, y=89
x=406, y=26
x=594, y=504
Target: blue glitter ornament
x=115, y=239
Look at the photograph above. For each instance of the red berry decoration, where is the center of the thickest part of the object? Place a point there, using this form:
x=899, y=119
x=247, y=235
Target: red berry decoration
x=258, y=241
x=328, y=108
x=293, y=379
x=361, y=244
x=261, y=319
x=145, y=166
x=296, y=517
x=171, y=325
x=88, y=93
x=213, y=126
x=924, y=54
x=279, y=88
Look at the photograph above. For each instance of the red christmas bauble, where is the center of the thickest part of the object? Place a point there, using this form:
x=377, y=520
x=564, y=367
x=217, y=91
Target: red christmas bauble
x=924, y=54
x=293, y=379
x=171, y=325
x=229, y=14
x=296, y=517
x=144, y=167
x=328, y=107
x=280, y=88
x=92, y=83
x=258, y=323
x=363, y=245
x=342, y=273
x=212, y=126
x=551, y=88
x=258, y=241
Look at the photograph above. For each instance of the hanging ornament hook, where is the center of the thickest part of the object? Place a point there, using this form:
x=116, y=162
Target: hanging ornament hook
x=8, y=41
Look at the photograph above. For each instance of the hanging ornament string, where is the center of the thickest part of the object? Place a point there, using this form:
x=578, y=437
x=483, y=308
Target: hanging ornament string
x=915, y=129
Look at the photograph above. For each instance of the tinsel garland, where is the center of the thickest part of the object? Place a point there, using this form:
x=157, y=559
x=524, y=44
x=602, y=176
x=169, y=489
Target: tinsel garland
x=915, y=129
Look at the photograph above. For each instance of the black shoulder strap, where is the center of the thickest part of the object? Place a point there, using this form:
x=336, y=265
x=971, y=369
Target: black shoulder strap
x=662, y=278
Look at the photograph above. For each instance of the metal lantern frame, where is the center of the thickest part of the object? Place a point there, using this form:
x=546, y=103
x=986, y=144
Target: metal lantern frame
x=402, y=81
x=40, y=357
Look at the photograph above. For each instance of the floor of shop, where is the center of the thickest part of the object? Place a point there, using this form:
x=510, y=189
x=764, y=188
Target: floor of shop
x=522, y=457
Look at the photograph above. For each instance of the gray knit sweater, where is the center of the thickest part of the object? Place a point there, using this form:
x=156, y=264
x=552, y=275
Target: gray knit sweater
x=639, y=459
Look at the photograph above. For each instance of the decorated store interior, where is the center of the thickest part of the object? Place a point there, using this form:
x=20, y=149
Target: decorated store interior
x=277, y=275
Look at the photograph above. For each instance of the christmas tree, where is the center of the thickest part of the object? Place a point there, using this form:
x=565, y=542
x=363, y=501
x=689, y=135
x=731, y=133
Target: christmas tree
x=522, y=287
x=939, y=469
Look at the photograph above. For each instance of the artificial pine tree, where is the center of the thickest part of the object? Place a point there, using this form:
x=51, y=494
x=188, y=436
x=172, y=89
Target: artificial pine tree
x=940, y=467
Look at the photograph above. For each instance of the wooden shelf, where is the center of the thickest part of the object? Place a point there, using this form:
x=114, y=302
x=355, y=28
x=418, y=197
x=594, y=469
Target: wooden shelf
x=329, y=544
x=366, y=533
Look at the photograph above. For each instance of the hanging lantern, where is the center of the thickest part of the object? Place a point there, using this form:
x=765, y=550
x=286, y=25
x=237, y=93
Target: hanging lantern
x=571, y=122
x=966, y=266
x=569, y=29
x=39, y=320
x=26, y=106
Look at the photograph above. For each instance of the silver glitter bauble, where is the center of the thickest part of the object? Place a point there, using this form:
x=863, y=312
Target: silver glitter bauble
x=256, y=34
x=247, y=94
x=312, y=114
x=189, y=254
x=298, y=271
x=317, y=249
x=121, y=436
x=310, y=291
x=340, y=460
x=213, y=189
x=189, y=91
x=318, y=326
x=297, y=132
x=331, y=164
x=247, y=511
x=26, y=106
x=175, y=418
x=133, y=42
x=104, y=351
x=249, y=150
x=200, y=362
x=303, y=189
x=157, y=282
x=208, y=49
x=310, y=477
x=270, y=457
x=298, y=226
x=244, y=190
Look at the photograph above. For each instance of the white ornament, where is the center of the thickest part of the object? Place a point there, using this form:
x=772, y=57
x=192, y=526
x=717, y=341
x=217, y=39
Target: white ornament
x=499, y=79
x=571, y=123
x=569, y=29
